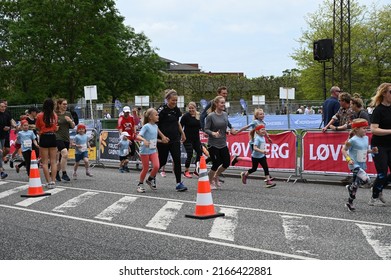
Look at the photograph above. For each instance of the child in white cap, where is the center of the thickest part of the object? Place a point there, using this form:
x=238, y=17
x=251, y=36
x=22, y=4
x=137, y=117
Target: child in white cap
x=123, y=151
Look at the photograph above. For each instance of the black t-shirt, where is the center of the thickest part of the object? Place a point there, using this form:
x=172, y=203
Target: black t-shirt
x=32, y=122
x=168, y=122
x=381, y=115
x=5, y=120
x=191, y=127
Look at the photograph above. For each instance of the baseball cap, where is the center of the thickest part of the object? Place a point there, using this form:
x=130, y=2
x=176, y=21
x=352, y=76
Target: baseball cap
x=124, y=133
x=126, y=109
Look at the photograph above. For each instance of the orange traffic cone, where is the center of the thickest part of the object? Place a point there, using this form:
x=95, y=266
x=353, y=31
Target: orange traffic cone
x=204, y=205
x=35, y=186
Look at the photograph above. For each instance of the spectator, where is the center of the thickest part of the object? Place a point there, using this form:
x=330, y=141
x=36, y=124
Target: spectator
x=5, y=126
x=309, y=111
x=357, y=106
x=343, y=117
x=107, y=115
x=331, y=106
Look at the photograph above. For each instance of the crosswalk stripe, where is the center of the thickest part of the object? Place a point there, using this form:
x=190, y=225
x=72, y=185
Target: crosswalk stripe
x=31, y=200
x=296, y=233
x=12, y=191
x=371, y=233
x=3, y=182
x=165, y=215
x=116, y=208
x=224, y=227
x=74, y=202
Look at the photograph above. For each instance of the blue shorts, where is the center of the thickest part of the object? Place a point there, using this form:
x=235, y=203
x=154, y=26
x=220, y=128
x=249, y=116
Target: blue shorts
x=79, y=157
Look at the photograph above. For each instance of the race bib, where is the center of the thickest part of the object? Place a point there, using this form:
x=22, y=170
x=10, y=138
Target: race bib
x=83, y=148
x=362, y=155
x=125, y=152
x=27, y=143
x=152, y=144
x=262, y=146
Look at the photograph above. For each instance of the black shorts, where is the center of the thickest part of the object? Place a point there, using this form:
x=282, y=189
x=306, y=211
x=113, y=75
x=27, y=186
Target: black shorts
x=7, y=143
x=123, y=158
x=47, y=140
x=61, y=145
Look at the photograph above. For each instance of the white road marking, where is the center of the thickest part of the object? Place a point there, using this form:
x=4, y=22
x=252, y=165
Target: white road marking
x=163, y=233
x=3, y=182
x=165, y=215
x=12, y=191
x=296, y=233
x=31, y=200
x=116, y=208
x=230, y=206
x=224, y=227
x=382, y=249
x=74, y=202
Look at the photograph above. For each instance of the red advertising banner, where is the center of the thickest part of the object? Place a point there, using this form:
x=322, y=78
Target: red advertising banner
x=282, y=150
x=322, y=152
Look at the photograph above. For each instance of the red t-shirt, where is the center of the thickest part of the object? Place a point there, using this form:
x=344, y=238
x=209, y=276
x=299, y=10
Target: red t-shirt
x=41, y=126
x=127, y=124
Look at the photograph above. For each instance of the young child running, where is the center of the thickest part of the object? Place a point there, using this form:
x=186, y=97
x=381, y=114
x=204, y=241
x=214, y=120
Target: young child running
x=123, y=151
x=148, y=152
x=26, y=138
x=82, y=146
x=259, y=116
x=258, y=155
x=355, y=152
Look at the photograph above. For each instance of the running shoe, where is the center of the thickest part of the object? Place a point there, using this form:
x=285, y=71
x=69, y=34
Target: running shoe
x=243, y=177
x=180, y=187
x=140, y=188
x=89, y=174
x=163, y=174
x=74, y=176
x=151, y=183
x=4, y=175
x=270, y=184
x=65, y=177
x=350, y=207
x=187, y=174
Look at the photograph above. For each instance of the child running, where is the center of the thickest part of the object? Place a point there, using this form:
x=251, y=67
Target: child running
x=26, y=138
x=82, y=146
x=258, y=155
x=148, y=152
x=123, y=151
x=259, y=116
x=357, y=146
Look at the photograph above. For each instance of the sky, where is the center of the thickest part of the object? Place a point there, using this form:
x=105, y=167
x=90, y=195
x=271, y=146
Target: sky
x=256, y=37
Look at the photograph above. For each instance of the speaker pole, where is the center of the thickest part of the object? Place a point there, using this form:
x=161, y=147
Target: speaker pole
x=324, y=79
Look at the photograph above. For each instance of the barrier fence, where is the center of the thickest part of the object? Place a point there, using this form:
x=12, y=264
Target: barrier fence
x=308, y=152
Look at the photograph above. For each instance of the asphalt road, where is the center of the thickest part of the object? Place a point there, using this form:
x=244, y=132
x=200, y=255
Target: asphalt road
x=104, y=218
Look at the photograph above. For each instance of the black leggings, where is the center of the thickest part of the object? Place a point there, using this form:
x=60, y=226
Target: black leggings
x=218, y=157
x=190, y=146
x=382, y=162
x=262, y=161
x=27, y=160
x=175, y=150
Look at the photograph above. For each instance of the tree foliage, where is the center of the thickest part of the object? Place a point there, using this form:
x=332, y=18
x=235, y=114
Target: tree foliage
x=56, y=47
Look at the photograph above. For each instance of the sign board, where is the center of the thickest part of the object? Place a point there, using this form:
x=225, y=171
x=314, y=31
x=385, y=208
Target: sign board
x=90, y=93
x=258, y=100
x=287, y=93
x=227, y=104
x=181, y=101
x=141, y=100
x=99, y=107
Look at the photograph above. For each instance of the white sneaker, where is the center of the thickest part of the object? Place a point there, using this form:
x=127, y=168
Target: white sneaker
x=217, y=182
x=376, y=202
x=213, y=185
x=74, y=176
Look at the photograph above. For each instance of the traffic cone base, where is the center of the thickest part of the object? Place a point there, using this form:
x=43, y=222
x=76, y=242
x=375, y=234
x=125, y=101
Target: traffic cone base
x=35, y=188
x=204, y=204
